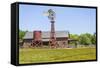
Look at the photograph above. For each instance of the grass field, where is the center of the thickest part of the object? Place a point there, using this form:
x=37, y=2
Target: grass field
x=55, y=55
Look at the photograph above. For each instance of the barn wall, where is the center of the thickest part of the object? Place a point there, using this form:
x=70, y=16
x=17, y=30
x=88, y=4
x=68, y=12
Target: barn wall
x=45, y=43
x=27, y=42
x=62, y=39
x=62, y=42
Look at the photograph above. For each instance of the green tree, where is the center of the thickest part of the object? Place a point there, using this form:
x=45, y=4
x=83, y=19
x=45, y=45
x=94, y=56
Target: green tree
x=74, y=36
x=21, y=34
x=93, y=39
x=85, y=39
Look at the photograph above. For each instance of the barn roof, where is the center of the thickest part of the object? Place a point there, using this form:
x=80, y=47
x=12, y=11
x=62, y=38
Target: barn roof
x=46, y=34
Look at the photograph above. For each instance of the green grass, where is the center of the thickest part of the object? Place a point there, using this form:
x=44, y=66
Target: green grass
x=30, y=55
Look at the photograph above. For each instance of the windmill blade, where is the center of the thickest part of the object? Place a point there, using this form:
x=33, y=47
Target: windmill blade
x=45, y=13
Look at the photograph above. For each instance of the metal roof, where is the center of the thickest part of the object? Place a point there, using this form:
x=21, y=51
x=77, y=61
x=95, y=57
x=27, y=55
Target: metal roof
x=46, y=34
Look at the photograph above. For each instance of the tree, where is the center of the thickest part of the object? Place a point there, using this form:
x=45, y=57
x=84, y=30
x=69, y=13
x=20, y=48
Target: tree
x=21, y=34
x=74, y=36
x=85, y=39
x=93, y=39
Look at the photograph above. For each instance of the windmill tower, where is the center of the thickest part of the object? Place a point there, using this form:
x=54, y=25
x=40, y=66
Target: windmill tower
x=51, y=16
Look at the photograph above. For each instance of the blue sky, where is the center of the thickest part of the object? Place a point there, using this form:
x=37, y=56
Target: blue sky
x=74, y=20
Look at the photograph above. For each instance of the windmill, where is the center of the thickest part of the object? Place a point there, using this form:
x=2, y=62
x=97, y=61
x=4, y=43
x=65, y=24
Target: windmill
x=51, y=16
